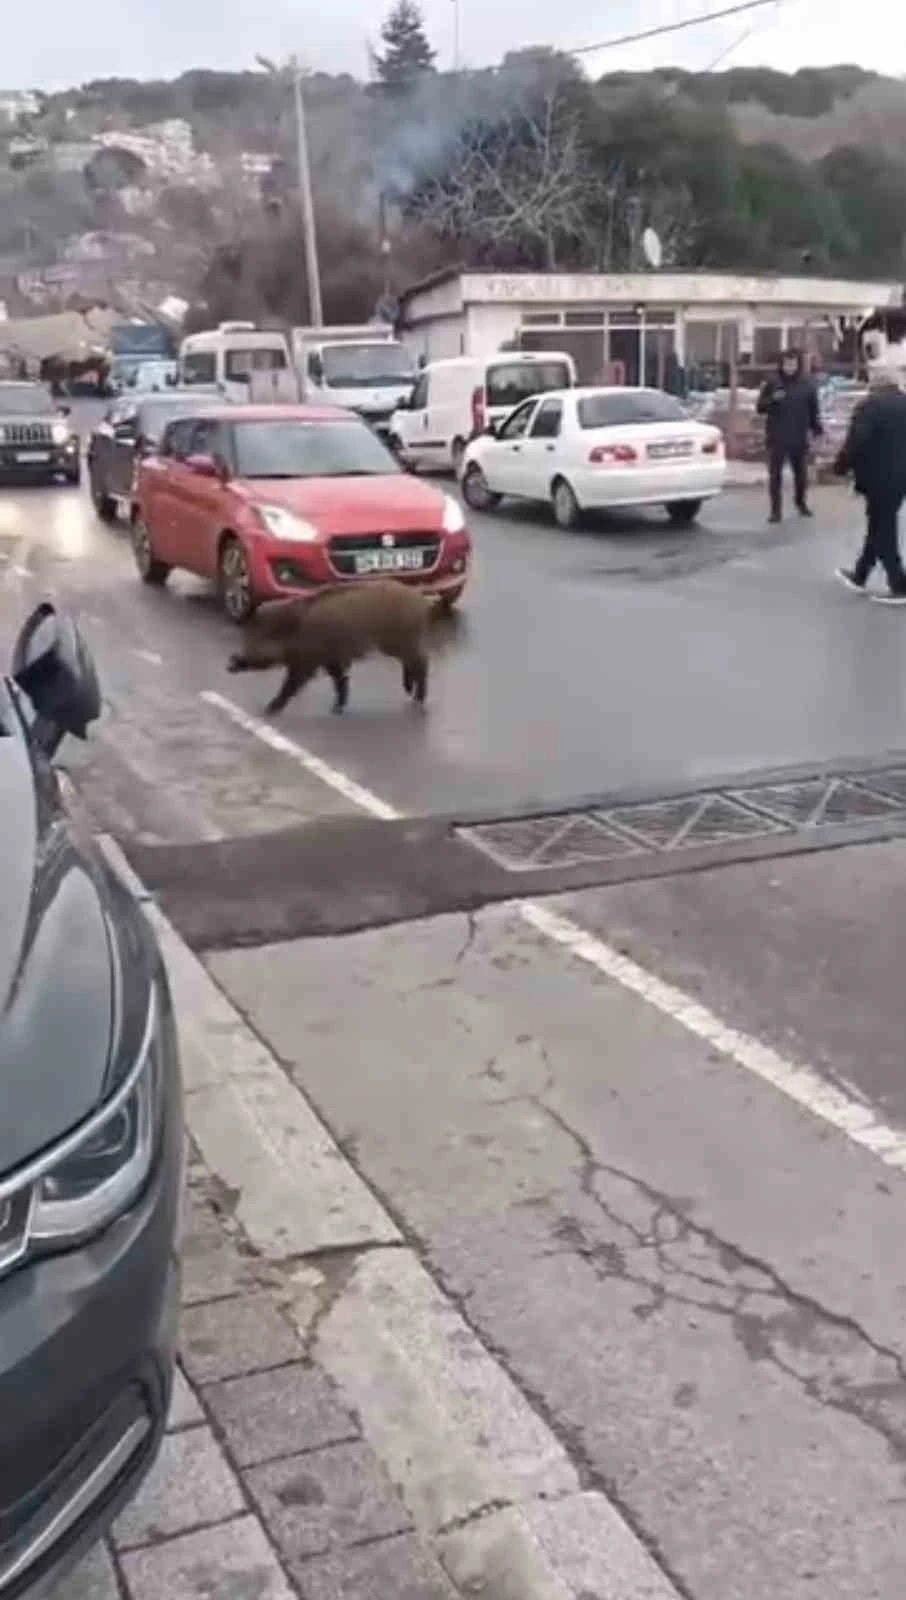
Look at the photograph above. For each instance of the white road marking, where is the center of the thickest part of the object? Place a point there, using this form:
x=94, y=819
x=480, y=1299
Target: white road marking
x=851, y=1116
x=352, y=791
x=149, y=655
x=856, y=1119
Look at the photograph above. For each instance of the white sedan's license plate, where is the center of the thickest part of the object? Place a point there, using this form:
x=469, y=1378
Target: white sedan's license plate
x=669, y=449
x=389, y=561
x=31, y=457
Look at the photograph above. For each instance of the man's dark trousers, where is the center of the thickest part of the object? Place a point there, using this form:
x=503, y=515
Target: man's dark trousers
x=881, y=541
x=778, y=453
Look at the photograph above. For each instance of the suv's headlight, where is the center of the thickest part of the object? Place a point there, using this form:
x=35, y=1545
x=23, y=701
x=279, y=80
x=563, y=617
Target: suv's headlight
x=60, y=432
x=94, y=1174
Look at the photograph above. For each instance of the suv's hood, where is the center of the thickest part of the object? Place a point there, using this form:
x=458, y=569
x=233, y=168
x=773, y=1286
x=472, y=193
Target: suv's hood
x=55, y=966
x=27, y=419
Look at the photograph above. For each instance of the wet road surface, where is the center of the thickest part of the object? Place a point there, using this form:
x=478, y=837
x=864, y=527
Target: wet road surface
x=681, y=1245
x=582, y=663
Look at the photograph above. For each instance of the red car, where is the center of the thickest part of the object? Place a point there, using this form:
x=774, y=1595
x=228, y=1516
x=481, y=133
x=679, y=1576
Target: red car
x=272, y=501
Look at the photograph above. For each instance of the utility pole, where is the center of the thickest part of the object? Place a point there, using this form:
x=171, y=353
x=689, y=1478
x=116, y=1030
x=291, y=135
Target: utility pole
x=309, y=230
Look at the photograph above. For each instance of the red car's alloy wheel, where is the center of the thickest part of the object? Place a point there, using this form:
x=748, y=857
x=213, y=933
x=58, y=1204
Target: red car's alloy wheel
x=235, y=581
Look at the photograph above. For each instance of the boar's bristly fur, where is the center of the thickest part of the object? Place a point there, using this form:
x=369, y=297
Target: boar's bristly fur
x=331, y=630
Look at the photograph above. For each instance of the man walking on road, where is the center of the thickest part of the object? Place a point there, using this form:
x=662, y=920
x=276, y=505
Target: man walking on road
x=874, y=451
x=789, y=405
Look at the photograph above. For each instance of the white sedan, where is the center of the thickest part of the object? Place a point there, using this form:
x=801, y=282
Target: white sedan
x=594, y=449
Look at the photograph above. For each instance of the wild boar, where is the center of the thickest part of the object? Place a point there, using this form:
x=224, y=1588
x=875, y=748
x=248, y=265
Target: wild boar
x=331, y=630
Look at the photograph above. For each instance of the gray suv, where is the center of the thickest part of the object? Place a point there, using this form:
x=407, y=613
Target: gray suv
x=37, y=442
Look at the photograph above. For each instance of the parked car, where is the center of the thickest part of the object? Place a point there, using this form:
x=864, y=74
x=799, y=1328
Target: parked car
x=132, y=427
x=37, y=441
x=91, y=1144
x=273, y=501
x=591, y=449
x=154, y=377
x=456, y=399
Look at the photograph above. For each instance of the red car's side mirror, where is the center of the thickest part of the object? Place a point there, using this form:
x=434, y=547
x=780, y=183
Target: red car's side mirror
x=206, y=467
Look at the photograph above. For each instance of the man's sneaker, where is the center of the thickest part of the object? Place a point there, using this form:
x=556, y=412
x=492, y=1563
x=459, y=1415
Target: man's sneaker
x=775, y=517
x=805, y=511
x=893, y=597
x=849, y=578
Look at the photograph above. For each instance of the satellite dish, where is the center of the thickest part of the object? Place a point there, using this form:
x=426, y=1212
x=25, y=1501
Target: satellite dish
x=651, y=248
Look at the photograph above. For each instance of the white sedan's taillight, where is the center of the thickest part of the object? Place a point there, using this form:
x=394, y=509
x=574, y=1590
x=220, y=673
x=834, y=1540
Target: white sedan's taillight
x=713, y=446
x=612, y=455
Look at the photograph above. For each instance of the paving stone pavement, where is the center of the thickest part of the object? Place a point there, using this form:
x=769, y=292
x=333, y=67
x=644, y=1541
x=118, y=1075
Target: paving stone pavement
x=265, y=1488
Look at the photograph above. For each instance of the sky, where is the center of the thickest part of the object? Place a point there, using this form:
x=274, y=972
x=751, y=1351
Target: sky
x=160, y=38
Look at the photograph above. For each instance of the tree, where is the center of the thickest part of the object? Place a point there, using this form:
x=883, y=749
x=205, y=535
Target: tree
x=407, y=52
x=870, y=189
x=513, y=189
x=113, y=168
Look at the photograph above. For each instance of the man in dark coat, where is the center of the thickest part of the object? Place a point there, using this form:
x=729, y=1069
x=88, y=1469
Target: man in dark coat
x=789, y=405
x=874, y=451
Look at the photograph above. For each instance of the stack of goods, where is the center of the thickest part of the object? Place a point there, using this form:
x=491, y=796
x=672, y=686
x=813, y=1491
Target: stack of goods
x=745, y=441
x=838, y=401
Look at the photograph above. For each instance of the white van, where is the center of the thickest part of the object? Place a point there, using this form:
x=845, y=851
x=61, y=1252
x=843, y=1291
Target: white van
x=455, y=400
x=237, y=358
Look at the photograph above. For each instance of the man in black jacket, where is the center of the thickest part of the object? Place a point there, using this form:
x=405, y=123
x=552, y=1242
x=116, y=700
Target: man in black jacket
x=874, y=451
x=789, y=405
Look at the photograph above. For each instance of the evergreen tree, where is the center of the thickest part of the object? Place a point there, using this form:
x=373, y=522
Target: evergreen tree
x=407, y=53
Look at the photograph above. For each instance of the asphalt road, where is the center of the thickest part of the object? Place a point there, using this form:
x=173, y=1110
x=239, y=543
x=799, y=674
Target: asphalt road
x=625, y=655
x=677, y=1228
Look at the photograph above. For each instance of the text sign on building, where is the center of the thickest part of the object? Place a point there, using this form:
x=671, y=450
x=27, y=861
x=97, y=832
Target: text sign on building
x=677, y=288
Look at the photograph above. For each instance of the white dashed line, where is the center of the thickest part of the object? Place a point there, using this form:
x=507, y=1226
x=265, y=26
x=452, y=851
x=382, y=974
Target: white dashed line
x=352, y=791
x=150, y=656
x=800, y=1083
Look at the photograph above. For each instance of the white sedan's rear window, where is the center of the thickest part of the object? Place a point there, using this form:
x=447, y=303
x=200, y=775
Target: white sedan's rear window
x=635, y=405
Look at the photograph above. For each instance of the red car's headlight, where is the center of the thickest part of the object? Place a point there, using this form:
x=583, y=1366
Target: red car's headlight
x=453, y=520
x=283, y=524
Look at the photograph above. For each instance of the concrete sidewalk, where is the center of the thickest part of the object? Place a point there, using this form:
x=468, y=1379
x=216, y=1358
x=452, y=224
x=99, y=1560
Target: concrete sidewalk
x=339, y=1431
x=575, y=1293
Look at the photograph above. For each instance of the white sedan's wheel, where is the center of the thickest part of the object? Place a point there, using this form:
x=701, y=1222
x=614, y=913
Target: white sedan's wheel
x=567, y=511
x=682, y=513
x=476, y=491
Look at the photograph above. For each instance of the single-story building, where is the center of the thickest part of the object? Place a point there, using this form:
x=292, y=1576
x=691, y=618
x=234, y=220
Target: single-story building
x=636, y=326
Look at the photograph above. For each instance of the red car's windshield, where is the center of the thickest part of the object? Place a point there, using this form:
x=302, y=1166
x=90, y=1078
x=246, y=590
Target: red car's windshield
x=285, y=448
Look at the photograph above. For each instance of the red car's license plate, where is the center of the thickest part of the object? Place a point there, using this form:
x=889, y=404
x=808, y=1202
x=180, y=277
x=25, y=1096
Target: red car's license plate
x=389, y=561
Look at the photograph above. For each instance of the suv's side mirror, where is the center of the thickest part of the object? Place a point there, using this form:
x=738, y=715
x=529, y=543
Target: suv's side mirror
x=64, y=411
x=53, y=666
x=124, y=432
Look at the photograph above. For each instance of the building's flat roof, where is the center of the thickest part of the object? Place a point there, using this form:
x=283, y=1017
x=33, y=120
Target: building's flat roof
x=665, y=284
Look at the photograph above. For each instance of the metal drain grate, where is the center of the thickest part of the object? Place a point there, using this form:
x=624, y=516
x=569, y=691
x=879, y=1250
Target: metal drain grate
x=534, y=843
x=697, y=821
x=820, y=802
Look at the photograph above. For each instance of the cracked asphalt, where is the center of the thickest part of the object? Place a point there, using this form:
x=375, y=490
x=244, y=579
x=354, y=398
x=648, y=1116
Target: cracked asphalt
x=694, y=1280
x=697, y=1285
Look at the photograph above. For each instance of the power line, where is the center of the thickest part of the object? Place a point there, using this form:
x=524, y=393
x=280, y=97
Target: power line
x=671, y=27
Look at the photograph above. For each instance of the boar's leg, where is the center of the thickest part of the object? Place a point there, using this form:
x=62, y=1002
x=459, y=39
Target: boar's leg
x=296, y=678
x=415, y=678
x=340, y=680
